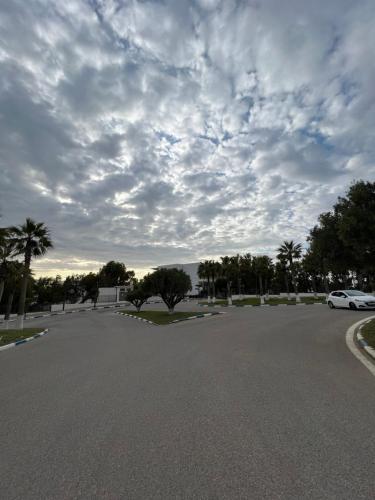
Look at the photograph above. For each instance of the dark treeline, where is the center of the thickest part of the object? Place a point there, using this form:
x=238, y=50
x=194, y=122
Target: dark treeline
x=340, y=253
x=76, y=288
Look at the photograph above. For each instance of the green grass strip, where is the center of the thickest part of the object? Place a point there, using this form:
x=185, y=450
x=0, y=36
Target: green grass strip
x=368, y=333
x=10, y=336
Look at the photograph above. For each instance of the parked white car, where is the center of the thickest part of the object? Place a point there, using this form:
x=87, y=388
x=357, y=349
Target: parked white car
x=352, y=299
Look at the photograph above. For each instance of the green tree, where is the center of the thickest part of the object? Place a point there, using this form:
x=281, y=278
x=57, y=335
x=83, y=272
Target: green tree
x=214, y=271
x=291, y=252
x=90, y=286
x=115, y=274
x=171, y=284
x=229, y=270
x=31, y=240
x=13, y=280
x=263, y=270
x=6, y=252
x=139, y=295
x=205, y=274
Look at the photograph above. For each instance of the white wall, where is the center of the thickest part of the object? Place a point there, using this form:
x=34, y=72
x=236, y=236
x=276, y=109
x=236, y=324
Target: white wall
x=192, y=270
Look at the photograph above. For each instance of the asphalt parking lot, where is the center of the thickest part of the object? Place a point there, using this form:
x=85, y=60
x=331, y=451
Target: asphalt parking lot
x=255, y=403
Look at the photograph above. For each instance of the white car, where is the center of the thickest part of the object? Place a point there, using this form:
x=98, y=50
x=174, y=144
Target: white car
x=352, y=299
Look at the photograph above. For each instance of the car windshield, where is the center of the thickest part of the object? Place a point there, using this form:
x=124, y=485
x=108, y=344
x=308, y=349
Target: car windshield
x=354, y=293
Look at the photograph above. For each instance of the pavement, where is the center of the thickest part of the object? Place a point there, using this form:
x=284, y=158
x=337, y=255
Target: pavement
x=258, y=403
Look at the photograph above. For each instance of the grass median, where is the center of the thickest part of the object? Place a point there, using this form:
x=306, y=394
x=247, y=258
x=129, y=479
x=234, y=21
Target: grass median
x=272, y=301
x=368, y=333
x=10, y=336
x=162, y=317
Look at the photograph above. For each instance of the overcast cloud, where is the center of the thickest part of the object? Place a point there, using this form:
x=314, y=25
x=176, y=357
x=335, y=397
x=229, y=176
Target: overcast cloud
x=170, y=131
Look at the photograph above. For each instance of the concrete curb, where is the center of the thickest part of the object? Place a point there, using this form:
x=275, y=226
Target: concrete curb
x=60, y=313
x=137, y=317
x=362, y=342
x=264, y=305
x=203, y=315
x=23, y=341
x=357, y=344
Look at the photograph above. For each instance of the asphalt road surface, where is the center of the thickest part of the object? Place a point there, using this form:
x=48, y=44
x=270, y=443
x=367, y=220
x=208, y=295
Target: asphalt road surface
x=259, y=403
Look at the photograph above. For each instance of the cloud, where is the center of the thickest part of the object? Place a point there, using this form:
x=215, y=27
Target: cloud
x=160, y=131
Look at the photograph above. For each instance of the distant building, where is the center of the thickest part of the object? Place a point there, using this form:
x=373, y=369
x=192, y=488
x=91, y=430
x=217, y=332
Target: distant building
x=190, y=269
x=112, y=294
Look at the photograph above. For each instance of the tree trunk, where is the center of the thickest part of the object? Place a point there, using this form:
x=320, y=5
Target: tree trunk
x=2, y=282
x=22, y=300
x=171, y=310
x=208, y=291
x=138, y=308
x=313, y=282
x=326, y=285
x=213, y=291
x=8, y=309
x=261, y=290
x=229, y=294
x=294, y=281
x=287, y=284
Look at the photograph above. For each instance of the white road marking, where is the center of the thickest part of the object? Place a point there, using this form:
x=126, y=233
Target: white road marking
x=354, y=349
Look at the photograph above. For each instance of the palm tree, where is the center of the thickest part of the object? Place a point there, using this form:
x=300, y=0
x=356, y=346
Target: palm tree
x=31, y=240
x=6, y=250
x=262, y=267
x=14, y=275
x=214, y=270
x=204, y=274
x=290, y=252
x=228, y=270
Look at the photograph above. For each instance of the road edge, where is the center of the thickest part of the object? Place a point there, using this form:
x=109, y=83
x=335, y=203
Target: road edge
x=352, y=346
x=203, y=315
x=23, y=341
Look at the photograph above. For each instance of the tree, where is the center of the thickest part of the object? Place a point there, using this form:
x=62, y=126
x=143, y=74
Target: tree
x=31, y=240
x=229, y=270
x=262, y=267
x=139, y=295
x=115, y=274
x=290, y=252
x=247, y=272
x=310, y=265
x=214, y=271
x=170, y=284
x=6, y=251
x=205, y=274
x=13, y=280
x=90, y=285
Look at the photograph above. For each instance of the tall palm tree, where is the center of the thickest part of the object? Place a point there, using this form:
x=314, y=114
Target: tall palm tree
x=31, y=240
x=204, y=274
x=290, y=252
x=228, y=271
x=214, y=269
x=262, y=265
x=6, y=250
x=13, y=278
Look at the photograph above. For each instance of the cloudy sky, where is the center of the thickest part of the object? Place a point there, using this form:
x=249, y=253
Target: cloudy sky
x=163, y=131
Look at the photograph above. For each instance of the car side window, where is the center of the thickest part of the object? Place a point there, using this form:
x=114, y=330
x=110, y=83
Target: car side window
x=335, y=294
x=343, y=295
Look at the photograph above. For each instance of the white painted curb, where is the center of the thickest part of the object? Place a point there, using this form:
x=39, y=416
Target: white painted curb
x=23, y=341
x=349, y=337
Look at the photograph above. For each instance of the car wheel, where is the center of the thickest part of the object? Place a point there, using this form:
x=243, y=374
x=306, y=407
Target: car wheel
x=352, y=306
x=330, y=305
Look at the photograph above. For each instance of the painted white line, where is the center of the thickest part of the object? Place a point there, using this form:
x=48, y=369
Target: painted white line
x=354, y=349
x=370, y=351
x=7, y=346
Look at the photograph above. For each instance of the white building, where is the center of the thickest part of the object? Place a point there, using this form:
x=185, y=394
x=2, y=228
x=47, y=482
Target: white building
x=112, y=294
x=192, y=270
